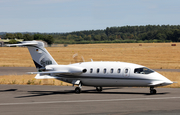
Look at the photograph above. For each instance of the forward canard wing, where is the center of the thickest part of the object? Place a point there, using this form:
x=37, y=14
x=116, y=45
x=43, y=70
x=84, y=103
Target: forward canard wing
x=156, y=83
x=160, y=83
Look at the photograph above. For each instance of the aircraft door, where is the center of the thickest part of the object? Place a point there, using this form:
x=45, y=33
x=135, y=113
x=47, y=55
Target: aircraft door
x=126, y=72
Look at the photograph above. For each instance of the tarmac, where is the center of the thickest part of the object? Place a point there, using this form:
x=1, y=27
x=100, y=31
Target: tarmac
x=61, y=100
x=16, y=70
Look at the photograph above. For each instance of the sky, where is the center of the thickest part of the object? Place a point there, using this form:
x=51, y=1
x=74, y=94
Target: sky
x=76, y=15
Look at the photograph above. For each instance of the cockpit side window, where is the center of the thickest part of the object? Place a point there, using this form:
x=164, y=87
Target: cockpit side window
x=143, y=70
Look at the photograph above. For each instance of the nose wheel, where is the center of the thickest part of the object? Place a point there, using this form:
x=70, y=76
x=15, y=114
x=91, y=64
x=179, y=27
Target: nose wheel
x=152, y=90
x=78, y=89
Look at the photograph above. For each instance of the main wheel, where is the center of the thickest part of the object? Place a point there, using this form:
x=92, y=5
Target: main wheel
x=77, y=90
x=153, y=91
x=99, y=89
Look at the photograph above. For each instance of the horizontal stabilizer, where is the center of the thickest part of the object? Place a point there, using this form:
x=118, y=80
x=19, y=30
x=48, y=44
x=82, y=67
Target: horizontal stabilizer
x=22, y=44
x=56, y=72
x=50, y=72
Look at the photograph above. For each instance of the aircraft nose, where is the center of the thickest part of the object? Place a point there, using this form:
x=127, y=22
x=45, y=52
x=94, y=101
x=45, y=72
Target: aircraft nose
x=168, y=82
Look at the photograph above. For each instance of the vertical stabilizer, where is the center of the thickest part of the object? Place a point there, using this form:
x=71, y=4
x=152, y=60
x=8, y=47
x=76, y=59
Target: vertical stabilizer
x=39, y=54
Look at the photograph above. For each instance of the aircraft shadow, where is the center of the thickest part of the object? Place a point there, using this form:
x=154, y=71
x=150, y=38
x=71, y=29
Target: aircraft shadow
x=8, y=90
x=46, y=93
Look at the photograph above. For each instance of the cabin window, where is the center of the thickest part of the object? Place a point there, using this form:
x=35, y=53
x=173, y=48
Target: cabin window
x=98, y=70
x=143, y=70
x=91, y=70
x=119, y=71
x=104, y=70
x=126, y=70
x=111, y=70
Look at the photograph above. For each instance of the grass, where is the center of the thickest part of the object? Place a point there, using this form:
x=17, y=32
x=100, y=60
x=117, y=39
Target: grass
x=173, y=76
x=152, y=55
x=29, y=80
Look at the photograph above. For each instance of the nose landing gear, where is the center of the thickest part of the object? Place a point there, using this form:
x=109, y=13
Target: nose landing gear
x=152, y=90
x=78, y=89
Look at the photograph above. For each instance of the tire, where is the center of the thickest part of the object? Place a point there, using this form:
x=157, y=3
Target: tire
x=153, y=91
x=78, y=90
x=99, y=89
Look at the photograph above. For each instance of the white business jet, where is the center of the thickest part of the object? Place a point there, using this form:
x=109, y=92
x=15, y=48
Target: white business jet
x=95, y=73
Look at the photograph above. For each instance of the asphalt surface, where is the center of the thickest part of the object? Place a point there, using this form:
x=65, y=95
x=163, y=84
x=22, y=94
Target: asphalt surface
x=16, y=70
x=24, y=70
x=61, y=100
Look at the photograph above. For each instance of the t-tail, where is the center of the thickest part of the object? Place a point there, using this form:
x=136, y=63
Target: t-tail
x=39, y=54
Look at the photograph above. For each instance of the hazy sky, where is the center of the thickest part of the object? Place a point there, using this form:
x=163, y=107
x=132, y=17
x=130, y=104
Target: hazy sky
x=76, y=15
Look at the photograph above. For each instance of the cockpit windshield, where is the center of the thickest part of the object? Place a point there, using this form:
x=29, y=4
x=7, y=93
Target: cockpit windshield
x=143, y=70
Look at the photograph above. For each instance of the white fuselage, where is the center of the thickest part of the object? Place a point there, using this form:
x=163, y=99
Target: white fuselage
x=110, y=74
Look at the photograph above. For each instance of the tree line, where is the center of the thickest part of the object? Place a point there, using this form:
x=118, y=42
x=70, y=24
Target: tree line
x=124, y=34
x=28, y=37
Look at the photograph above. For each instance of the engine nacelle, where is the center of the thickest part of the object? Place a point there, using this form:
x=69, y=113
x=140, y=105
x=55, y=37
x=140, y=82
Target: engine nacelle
x=67, y=68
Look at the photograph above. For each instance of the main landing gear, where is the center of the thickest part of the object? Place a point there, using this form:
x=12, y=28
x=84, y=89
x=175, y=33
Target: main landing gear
x=99, y=89
x=152, y=90
x=78, y=89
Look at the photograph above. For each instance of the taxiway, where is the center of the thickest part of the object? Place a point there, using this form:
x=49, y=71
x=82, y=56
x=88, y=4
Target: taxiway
x=61, y=100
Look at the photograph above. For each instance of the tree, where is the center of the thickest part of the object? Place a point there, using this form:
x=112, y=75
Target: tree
x=49, y=39
x=19, y=36
x=79, y=38
x=12, y=41
x=107, y=31
x=87, y=38
x=27, y=37
x=103, y=37
x=97, y=38
x=9, y=36
x=38, y=37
